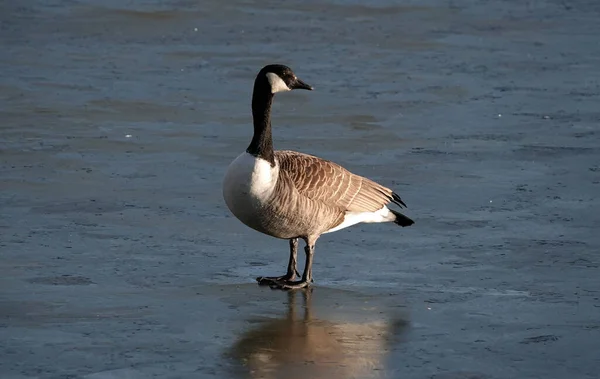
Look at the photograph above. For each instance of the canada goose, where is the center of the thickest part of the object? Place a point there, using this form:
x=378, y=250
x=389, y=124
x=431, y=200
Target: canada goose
x=291, y=195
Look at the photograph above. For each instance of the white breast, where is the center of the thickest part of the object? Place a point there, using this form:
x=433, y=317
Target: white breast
x=248, y=185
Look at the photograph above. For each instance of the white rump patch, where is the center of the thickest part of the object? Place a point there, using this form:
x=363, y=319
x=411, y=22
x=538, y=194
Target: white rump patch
x=353, y=218
x=277, y=84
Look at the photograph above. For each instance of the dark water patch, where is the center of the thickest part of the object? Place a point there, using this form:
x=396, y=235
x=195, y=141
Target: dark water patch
x=362, y=122
x=456, y=154
x=461, y=263
x=584, y=94
x=541, y=339
x=156, y=15
x=63, y=280
x=433, y=152
x=105, y=236
x=66, y=86
x=563, y=116
x=520, y=89
x=588, y=134
x=81, y=206
x=461, y=375
x=546, y=151
x=448, y=92
x=488, y=137
x=461, y=224
x=558, y=243
x=131, y=17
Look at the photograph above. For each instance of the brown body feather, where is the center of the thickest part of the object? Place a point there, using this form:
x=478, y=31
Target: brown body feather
x=323, y=191
x=326, y=181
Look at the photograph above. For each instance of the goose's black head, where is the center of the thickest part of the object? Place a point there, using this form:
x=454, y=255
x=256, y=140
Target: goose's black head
x=280, y=78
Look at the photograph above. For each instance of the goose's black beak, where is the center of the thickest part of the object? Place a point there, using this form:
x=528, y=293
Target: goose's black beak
x=299, y=84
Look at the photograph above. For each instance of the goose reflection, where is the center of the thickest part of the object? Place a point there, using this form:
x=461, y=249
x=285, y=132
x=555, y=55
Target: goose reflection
x=301, y=345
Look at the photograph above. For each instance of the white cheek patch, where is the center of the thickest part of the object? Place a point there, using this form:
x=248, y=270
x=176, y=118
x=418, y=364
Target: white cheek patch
x=277, y=84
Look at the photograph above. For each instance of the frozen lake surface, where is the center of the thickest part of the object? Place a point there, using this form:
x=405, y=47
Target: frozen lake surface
x=119, y=258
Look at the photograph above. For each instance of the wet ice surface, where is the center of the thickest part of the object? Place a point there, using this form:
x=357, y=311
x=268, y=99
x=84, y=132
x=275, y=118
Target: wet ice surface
x=120, y=260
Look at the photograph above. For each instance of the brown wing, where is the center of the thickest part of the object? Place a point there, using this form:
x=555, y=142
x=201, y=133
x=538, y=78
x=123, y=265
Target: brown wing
x=323, y=180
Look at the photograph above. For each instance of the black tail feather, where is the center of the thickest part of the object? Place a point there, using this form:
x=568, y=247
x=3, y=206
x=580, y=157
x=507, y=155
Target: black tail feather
x=397, y=200
x=401, y=219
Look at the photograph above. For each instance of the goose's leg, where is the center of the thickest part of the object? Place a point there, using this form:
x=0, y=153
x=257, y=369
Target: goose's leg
x=307, y=279
x=291, y=269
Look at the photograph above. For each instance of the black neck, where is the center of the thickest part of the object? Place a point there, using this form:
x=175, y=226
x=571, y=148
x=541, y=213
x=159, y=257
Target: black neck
x=262, y=141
